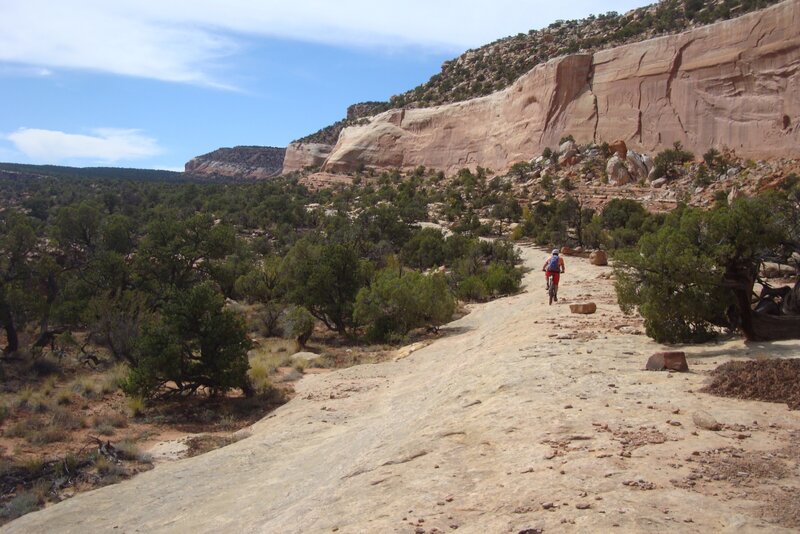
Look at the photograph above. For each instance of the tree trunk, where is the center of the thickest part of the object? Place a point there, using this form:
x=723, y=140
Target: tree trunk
x=11, y=330
x=758, y=326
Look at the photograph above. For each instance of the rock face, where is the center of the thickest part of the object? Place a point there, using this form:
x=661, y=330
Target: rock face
x=725, y=85
x=244, y=162
x=301, y=155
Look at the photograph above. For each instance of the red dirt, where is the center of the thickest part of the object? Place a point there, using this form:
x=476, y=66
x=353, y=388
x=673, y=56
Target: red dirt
x=766, y=380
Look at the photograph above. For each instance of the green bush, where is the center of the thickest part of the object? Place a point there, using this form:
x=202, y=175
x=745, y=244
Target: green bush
x=297, y=323
x=684, y=277
x=473, y=289
x=501, y=279
x=667, y=161
x=397, y=302
x=196, y=344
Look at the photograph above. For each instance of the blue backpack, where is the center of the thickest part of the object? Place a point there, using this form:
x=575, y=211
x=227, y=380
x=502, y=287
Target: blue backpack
x=552, y=265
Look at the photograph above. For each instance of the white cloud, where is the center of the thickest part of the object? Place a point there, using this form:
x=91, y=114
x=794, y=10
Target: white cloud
x=189, y=41
x=106, y=145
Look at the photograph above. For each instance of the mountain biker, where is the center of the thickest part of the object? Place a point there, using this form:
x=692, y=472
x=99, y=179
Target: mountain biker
x=553, y=266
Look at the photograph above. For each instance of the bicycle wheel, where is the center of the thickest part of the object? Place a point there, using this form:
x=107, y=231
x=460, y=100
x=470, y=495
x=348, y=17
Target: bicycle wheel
x=551, y=291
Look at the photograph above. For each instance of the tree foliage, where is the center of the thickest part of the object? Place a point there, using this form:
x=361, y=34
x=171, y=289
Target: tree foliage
x=397, y=302
x=196, y=343
x=699, y=268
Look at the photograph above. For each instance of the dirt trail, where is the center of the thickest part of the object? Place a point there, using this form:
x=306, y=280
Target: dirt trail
x=522, y=417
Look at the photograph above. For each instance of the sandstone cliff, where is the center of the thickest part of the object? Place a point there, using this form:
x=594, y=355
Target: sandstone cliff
x=300, y=155
x=732, y=84
x=244, y=162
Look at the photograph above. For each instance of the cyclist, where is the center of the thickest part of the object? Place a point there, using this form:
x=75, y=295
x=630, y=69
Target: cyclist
x=553, y=266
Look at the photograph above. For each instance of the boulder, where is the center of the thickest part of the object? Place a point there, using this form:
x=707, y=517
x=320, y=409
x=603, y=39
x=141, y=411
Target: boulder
x=619, y=148
x=586, y=308
x=648, y=163
x=706, y=421
x=305, y=356
x=668, y=361
x=568, y=146
x=567, y=251
x=635, y=165
x=775, y=270
x=734, y=194
x=658, y=183
x=617, y=171
x=569, y=158
x=598, y=257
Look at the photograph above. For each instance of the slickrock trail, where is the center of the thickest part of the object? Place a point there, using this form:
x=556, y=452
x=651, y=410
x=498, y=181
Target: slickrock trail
x=522, y=416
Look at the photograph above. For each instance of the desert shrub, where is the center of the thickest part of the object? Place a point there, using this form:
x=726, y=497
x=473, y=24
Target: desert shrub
x=397, y=302
x=259, y=377
x=136, y=406
x=114, y=420
x=472, y=289
x=46, y=435
x=666, y=162
x=104, y=429
x=197, y=343
x=425, y=249
x=23, y=503
x=24, y=428
x=128, y=450
x=686, y=275
x=298, y=324
x=501, y=279
x=44, y=367
x=66, y=419
x=86, y=387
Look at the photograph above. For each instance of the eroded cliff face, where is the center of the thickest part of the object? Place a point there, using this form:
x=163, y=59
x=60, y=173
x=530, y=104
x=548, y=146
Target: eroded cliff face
x=243, y=162
x=729, y=85
x=302, y=155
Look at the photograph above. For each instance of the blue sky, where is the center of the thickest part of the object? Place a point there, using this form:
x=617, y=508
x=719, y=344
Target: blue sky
x=145, y=83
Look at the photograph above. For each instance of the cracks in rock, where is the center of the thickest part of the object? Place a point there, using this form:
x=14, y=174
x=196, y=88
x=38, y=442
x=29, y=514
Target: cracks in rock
x=590, y=82
x=403, y=460
x=552, y=104
x=676, y=66
x=639, y=132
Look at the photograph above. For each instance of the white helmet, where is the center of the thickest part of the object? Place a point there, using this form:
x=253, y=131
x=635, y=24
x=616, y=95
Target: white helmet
x=555, y=251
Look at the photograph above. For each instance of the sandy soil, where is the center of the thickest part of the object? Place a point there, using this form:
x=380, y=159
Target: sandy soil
x=522, y=416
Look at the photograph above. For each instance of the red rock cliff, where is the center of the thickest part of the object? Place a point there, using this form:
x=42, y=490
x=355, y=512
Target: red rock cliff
x=733, y=84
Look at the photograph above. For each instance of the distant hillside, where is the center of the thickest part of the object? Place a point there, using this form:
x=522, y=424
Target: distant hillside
x=112, y=173
x=497, y=65
x=245, y=162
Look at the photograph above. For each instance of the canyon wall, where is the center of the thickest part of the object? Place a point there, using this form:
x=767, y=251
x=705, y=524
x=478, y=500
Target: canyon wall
x=300, y=155
x=734, y=84
x=241, y=162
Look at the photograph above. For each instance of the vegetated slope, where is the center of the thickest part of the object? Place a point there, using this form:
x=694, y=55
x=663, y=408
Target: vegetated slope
x=497, y=65
x=59, y=171
x=250, y=162
x=516, y=419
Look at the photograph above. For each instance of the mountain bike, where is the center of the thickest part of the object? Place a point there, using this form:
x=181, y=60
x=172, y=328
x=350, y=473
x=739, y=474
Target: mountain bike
x=552, y=289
